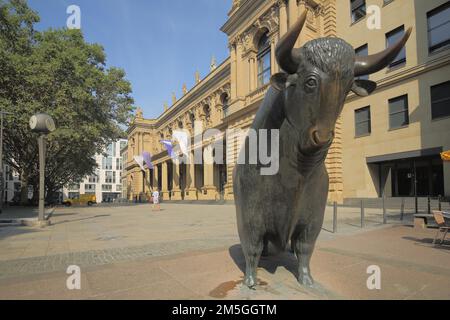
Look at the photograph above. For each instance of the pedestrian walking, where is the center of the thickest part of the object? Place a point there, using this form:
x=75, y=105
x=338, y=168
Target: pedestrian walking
x=155, y=196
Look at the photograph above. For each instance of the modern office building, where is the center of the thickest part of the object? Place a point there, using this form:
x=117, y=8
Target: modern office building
x=106, y=182
x=12, y=184
x=391, y=140
x=385, y=143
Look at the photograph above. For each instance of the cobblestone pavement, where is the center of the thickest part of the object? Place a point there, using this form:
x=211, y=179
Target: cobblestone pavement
x=60, y=262
x=192, y=251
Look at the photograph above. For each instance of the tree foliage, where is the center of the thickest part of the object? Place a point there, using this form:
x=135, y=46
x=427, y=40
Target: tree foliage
x=57, y=72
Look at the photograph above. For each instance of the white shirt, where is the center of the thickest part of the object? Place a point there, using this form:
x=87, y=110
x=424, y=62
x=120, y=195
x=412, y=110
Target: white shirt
x=155, y=194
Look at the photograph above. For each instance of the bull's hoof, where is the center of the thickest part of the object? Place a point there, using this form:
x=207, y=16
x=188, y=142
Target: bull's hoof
x=250, y=282
x=306, y=280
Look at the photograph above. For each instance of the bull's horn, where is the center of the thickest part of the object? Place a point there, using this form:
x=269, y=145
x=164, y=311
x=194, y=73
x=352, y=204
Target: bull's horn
x=285, y=52
x=376, y=62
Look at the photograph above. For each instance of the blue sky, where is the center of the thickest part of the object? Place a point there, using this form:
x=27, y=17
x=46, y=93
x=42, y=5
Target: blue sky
x=159, y=43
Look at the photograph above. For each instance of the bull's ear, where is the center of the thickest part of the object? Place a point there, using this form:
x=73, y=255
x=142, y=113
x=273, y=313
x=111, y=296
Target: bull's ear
x=363, y=88
x=278, y=81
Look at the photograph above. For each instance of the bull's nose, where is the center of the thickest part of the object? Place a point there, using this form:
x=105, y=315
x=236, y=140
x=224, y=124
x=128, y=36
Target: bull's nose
x=321, y=140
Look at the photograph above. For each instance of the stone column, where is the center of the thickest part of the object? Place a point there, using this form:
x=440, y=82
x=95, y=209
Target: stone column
x=176, y=191
x=283, y=17
x=252, y=74
x=191, y=190
x=273, y=60
x=165, y=185
x=293, y=11
x=233, y=73
x=208, y=191
x=155, y=177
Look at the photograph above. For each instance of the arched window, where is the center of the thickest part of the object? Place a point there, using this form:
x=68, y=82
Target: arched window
x=207, y=112
x=263, y=60
x=225, y=99
x=192, y=119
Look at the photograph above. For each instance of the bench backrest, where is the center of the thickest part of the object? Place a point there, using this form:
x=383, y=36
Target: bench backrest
x=439, y=217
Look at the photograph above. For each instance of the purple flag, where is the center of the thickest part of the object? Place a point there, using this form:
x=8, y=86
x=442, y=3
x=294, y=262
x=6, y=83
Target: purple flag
x=147, y=159
x=169, y=147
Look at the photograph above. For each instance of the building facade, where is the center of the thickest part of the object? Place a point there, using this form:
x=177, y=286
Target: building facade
x=106, y=182
x=12, y=184
x=392, y=139
x=227, y=98
x=359, y=164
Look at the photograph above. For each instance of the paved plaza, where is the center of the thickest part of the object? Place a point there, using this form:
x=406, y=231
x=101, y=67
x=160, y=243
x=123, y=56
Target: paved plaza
x=192, y=251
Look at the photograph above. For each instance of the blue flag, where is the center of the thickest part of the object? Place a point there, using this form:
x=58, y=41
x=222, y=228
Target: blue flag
x=169, y=147
x=147, y=159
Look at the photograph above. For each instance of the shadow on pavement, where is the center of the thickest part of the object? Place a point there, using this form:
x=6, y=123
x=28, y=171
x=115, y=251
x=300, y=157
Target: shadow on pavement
x=10, y=231
x=82, y=219
x=270, y=263
x=429, y=242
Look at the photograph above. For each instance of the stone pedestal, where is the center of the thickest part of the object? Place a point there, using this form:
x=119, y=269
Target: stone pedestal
x=208, y=193
x=190, y=194
x=176, y=195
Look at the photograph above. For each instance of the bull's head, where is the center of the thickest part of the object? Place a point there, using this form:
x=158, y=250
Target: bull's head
x=317, y=79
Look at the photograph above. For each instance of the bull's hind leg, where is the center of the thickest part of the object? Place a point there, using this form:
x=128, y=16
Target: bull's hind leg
x=308, y=229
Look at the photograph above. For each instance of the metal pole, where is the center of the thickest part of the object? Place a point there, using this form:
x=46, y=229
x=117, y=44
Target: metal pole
x=416, y=204
x=440, y=204
x=362, y=214
x=41, y=143
x=429, y=205
x=402, y=209
x=335, y=217
x=384, y=210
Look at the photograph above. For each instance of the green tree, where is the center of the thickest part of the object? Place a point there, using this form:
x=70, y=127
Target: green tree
x=57, y=72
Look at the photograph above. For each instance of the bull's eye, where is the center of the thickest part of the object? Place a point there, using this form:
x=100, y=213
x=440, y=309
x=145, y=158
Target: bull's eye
x=311, y=83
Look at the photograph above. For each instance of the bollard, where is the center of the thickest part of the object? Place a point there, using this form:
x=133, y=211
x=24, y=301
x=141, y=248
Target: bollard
x=402, y=209
x=335, y=217
x=429, y=205
x=384, y=211
x=362, y=214
x=416, y=205
x=440, y=204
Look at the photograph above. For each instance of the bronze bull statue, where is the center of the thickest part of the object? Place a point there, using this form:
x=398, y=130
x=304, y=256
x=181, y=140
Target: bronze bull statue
x=303, y=103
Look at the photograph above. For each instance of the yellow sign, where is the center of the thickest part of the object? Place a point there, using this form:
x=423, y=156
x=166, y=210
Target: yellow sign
x=445, y=155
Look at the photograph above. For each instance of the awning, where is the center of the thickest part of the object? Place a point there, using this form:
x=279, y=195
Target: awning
x=405, y=155
x=445, y=155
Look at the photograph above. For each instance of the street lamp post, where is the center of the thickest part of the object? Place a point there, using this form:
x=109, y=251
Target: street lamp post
x=2, y=179
x=43, y=124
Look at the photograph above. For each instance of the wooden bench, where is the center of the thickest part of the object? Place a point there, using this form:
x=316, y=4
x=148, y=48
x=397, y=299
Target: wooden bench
x=421, y=220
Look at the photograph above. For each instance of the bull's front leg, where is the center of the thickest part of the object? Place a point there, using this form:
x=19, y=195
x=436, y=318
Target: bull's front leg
x=310, y=224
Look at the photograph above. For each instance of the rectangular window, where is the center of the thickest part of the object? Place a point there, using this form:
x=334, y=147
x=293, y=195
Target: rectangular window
x=391, y=38
x=107, y=163
x=123, y=144
x=358, y=8
x=89, y=187
x=363, y=51
x=111, y=150
x=362, y=122
x=74, y=187
x=386, y=2
x=439, y=28
x=440, y=100
x=398, y=112
x=109, y=177
x=106, y=187
x=118, y=187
